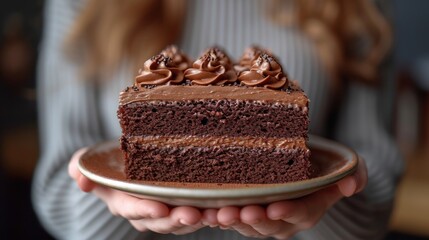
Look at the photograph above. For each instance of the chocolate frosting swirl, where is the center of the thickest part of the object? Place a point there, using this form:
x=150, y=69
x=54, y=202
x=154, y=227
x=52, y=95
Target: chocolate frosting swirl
x=178, y=57
x=250, y=54
x=266, y=72
x=212, y=68
x=159, y=70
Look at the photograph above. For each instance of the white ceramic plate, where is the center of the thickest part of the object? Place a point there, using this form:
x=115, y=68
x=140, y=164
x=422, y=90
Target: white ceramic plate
x=103, y=164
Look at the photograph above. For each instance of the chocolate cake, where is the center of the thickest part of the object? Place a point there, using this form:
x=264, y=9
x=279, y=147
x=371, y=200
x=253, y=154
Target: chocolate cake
x=209, y=124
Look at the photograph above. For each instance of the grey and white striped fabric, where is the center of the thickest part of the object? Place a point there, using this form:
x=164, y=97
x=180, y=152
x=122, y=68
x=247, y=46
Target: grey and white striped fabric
x=75, y=113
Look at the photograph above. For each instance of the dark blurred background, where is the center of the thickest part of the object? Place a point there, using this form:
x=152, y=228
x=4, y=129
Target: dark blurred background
x=21, y=25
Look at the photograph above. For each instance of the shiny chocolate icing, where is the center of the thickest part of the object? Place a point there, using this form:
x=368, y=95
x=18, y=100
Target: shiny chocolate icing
x=250, y=55
x=212, y=76
x=178, y=57
x=295, y=98
x=159, y=70
x=265, y=72
x=212, y=68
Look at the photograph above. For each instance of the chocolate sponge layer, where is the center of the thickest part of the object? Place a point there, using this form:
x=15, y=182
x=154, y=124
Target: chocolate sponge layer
x=214, y=117
x=215, y=164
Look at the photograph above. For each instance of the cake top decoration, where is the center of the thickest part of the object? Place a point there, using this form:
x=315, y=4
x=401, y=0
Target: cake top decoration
x=178, y=57
x=159, y=70
x=265, y=72
x=250, y=54
x=212, y=68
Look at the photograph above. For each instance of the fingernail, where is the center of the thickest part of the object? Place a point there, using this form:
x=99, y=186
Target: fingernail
x=277, y=217
x=184, y=222
x=352, y=187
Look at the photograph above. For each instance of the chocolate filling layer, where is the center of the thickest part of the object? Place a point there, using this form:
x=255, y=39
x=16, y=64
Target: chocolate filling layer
x=210, y=141
x=170, y=93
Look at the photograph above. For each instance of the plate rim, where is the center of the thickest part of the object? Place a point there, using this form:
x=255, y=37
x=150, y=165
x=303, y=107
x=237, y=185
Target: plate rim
x=230, y=193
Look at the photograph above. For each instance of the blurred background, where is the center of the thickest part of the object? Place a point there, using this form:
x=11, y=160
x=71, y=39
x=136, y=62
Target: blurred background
x=21, y=26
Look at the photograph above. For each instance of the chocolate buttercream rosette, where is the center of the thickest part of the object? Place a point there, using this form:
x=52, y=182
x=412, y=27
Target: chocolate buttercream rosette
x=265, y=72
x=214, y=67
x=249, y=56
x=159, y=70
x=178, y=57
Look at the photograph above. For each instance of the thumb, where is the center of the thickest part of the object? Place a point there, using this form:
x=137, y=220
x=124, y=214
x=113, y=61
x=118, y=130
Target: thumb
x=356, y=182
x=73, y=164
x=83, y=182
x=347, y=186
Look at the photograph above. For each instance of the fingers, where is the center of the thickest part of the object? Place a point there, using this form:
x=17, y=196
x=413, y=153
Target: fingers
x=256, y=217
x=181, y=220
x=143, y=214
x=146, y=214
x=129, y=207
x=284, y=219
x=83, y=182
x=347, y=186
x=290, y=211
x=228, y=215
x=229, y=218
x=209, y=217
x=145, y=225
x=186, y=215
x=188, y=229
x=72, y=167
x=280, y=220
x=252, y=221
x=361, y=175
x=305, y=211
x=356, y=182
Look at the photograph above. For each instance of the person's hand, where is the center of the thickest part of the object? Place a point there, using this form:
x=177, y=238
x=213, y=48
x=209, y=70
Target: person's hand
x=280, y=220
x=142, y=214
x=284, y=219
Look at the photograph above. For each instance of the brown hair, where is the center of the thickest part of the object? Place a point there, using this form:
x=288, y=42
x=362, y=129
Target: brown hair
x=351, y=36
x=108, y=31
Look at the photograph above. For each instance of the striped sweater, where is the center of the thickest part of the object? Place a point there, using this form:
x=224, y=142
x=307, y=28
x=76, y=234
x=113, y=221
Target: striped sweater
x=75, y=113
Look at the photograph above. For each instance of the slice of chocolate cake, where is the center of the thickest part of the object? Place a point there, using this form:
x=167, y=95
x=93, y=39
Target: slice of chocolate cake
x=208, y=125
